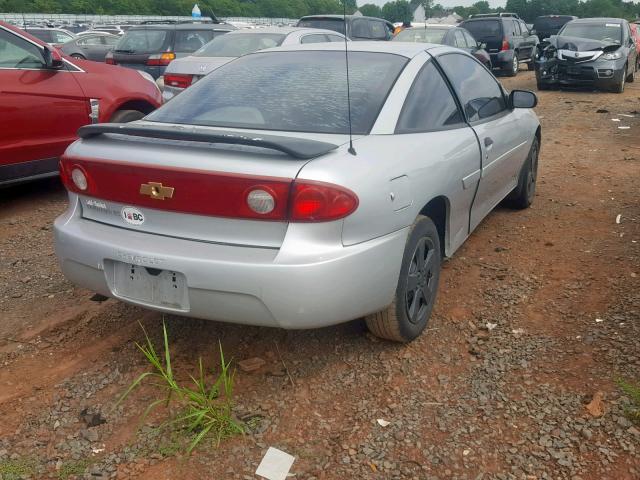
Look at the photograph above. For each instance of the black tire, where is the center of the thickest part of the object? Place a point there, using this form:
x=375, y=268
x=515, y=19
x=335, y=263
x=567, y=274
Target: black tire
x=531, y=66
x=408, y=315
x=543, y=86
x=619, y=88
x=512, y=70
x=632, y=76
x=78, y=56
x=522, y=196
x=126, y=116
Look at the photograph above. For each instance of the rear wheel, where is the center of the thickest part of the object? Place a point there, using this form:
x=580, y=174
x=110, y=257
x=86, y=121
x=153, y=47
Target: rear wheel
x=78, y=56
x=415, y=296
x=522, y=196
x=531, y=65
x=125, y=116
x=512, y=70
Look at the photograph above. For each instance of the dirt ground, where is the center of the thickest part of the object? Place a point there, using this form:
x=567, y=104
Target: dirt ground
x=536, y=313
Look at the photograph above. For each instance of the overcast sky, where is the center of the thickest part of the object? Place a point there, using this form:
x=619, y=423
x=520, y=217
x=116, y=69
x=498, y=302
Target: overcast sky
x=445, y=3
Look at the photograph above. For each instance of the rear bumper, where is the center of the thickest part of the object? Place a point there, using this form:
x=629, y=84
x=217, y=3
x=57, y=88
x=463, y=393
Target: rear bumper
x=154, y=71
x=307, y=283
x=502, y=59
x=169, y=92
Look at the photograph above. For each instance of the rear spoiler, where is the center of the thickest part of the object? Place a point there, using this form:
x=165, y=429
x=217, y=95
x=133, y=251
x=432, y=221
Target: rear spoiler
x=300, y=148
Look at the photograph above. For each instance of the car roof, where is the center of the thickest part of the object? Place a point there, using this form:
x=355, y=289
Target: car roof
x=283, y=30
x=434, y=26
x=184, y=26
x=405, y=49
x=335, y=16
x=598, y=20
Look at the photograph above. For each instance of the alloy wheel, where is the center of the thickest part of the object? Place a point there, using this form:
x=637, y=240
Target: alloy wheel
x=420, y=281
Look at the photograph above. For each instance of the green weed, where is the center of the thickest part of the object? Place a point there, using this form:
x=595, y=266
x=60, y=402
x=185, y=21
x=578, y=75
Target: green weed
x=73, y=467
x=633, y=391
x=206, y=406
x=16, y=469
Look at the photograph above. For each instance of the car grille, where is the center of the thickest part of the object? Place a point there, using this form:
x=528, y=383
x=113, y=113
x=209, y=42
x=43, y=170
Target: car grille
x=573, y=57
x=577, y=73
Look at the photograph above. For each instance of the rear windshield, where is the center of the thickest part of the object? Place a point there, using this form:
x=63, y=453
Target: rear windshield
x=289, y=91
x=483, y=29
x=239, y=44
x=605, y=32
x=550, y=23
x=335, y=24
x=429, y=35
x=142, y=41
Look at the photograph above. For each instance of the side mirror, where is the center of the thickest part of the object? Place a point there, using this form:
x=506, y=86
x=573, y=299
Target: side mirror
x=52, y=58
x=523, y=99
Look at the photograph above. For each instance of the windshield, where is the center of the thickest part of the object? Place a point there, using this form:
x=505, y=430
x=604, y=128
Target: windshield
x=429, y=35
x=289, y=91
x=335, y=24
x=604, y=32
x=142, y=41
x=482, y=29
x=238, y=44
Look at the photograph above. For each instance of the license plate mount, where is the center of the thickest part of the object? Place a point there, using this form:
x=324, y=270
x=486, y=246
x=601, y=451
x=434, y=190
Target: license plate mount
x=150, y=286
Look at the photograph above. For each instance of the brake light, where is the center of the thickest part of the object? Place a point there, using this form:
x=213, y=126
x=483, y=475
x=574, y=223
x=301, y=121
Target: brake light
x=109, y=59
x=505, y=45
x=320, y=202
x=215, y=194
x=161, y=59
x=178, y=81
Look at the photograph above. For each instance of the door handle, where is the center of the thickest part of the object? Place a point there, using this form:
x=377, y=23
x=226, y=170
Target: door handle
x=488, y=142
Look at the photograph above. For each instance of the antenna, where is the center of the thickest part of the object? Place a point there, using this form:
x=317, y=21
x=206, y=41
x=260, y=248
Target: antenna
x=351, y=150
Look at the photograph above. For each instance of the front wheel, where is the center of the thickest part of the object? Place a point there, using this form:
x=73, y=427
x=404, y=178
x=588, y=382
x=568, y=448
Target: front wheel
x=408, y=315
x=632, y=75
x=531, y=66
x=619, y=88
x=522, y=196
x=78, y=56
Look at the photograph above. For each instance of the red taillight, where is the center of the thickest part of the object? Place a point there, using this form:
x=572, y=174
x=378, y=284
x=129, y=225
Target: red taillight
x=211, y=193
x=109, y=59
x=320, y=202
x=505, y=45
x=161, y=59
x=178, y=81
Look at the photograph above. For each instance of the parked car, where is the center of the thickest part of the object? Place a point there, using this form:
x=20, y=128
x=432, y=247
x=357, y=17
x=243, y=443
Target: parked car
x=154, y=45
x=46, y=97
x=53, y=36
x=358, y=27
x=446, y=35
x=547, y=25
x=112, y=29
x=242, y=199
x=183, y=72
x=91, y=47
x=589, y=52
x=635, y=33
x=508, y=40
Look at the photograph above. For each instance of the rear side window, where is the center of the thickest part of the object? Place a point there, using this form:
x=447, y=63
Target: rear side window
x=479, y=92
x=482, y=29
x=291, y=91
x=189, y=41
x=90, y=41
x=111, y=41
x=470, y=40
x=360, y=28
x=143, y=41
x=425, y=35
x=60, y=37
x=238, y=44
x=378, y=30
x=316, y=38
x=429, y=105
x=44, y=35
x=459, y=39
x=18, y=53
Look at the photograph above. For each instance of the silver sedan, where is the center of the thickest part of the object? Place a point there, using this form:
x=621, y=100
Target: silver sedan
x=183, y=72
x=243, y=199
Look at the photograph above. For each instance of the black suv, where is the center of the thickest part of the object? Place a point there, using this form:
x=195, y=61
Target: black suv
x=151, y=46
x=507, y=40
x=358, y=27
x=547, y=25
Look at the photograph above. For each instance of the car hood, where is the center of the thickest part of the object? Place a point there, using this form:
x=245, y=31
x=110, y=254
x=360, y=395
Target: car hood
x=577, y=44
x=197, y=65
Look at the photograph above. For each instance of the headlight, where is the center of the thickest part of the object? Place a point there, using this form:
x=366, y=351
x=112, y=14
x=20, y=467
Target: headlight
x=613, y=55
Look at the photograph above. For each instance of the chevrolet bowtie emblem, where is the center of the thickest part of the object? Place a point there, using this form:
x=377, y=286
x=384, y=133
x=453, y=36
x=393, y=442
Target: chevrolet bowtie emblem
x=156, y=190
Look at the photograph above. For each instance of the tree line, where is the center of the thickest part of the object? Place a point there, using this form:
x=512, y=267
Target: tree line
x=395, y=11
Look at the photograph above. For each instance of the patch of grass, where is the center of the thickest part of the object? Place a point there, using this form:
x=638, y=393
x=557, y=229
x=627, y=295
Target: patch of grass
x=16, y=469
x=73, y=467
x=633, y=391
x=206, y=405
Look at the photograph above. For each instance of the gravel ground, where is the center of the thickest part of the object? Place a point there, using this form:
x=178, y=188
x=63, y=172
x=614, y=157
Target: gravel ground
x=538, y=313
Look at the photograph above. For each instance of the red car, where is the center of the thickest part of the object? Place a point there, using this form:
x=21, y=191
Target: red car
x=635, y=34
x=45, y=97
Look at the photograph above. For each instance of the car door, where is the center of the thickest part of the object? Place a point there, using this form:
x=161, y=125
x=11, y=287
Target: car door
x=448, y=161
x=528, y=41
x=502, y=141
x=40, y=109
x=92, y=47
x=630, y=42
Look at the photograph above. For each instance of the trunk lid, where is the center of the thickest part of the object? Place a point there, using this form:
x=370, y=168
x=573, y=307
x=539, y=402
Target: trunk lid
x=196, y=66
x=207, y=181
